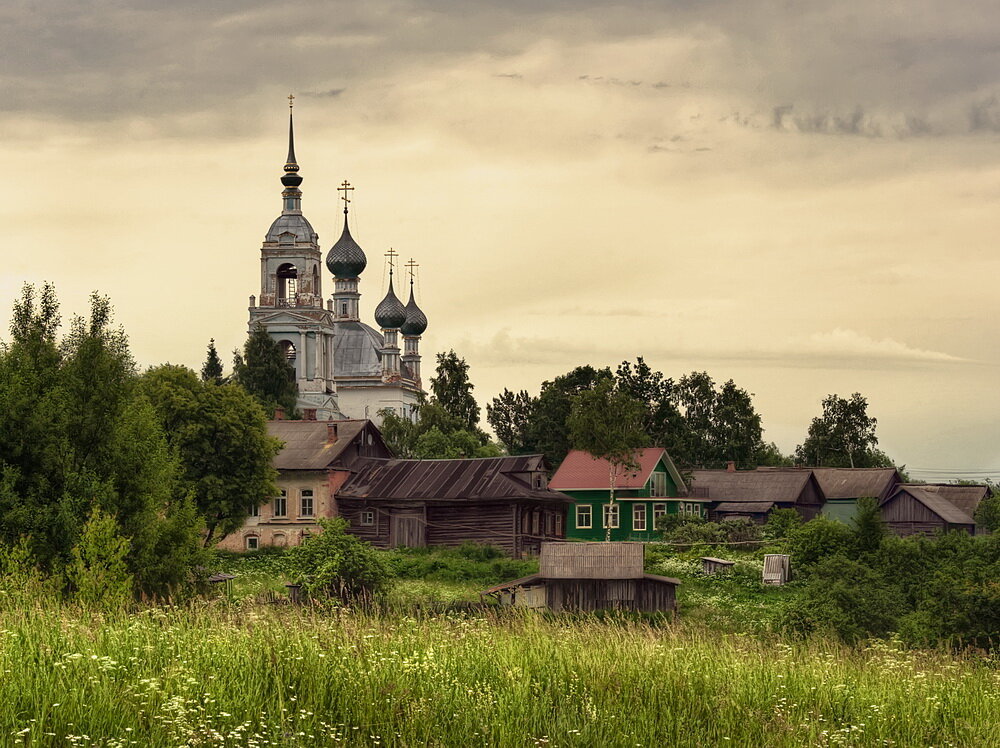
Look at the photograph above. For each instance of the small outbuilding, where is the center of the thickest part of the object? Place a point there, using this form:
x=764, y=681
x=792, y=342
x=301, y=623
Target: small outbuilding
x=588, y=577
x=777, y=569
x=711, y=565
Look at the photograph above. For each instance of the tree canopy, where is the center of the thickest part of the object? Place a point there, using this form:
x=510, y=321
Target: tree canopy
x=211, y=370
x=262, y=369
x=843, y=436
x=452, y=390
x=78, y=436
x=219, y=434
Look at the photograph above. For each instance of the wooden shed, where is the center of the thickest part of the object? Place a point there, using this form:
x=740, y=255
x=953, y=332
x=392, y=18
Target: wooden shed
x=777, y=569
x=917, y=509
x=710, y=565
x=589, y=577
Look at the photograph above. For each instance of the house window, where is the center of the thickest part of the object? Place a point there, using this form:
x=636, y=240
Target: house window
x=610, y=516
x=368, y=517
x=306, y=503
x=280, y=504
x=658, y=486
x=252, y=542
x=255, y=510
x=550, y=523
x=535, y=522
x=639, y=517
x=658, y=511
x=559, y=526
x=584, y=517
x=343, y=309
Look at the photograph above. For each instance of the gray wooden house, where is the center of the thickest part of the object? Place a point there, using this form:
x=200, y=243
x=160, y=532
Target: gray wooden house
x=917, y=509
x=754, y=494
x=584, y=576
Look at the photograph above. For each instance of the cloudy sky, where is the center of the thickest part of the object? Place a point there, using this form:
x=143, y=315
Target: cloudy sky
x=805, y=200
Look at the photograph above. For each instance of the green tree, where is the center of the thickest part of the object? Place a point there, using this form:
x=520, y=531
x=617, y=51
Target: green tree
x=869, y=527
x=263, y=371
x=548, y=433
x=607, y=423
x=736, y=427
x=988, y=512
x=211, y=370
x=453, y=391
x=219, y=434
x=510, y=415
x=843, y=436
x=781, y=523
x=334, y=564
x=98, y=572
x=77, y=435
x=816, y=540
x=662, y=419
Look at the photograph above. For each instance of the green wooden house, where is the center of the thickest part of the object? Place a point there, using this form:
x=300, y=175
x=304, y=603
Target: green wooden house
x=654, y=489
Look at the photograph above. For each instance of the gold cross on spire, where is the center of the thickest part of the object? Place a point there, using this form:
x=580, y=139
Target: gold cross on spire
x=346, y=189
x=411, y=266
x=392, y=255
x=291, y=100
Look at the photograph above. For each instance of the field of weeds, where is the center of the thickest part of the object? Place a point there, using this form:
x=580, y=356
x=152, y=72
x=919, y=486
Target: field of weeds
x=253, y=675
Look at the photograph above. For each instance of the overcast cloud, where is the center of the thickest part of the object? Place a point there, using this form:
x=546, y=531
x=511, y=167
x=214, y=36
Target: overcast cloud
x=802, y=198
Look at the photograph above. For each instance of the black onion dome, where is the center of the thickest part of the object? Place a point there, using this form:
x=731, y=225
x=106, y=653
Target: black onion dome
x=416, y=320
x=390, y=312
x=346, y=259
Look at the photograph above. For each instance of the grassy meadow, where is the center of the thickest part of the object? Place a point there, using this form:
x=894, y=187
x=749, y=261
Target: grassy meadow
x=238, y=671
x=277, y=675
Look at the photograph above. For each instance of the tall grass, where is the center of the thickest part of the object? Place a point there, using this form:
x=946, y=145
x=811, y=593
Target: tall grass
x=270, y=675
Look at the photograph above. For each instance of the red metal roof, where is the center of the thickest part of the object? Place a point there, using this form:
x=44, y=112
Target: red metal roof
x=581, y=471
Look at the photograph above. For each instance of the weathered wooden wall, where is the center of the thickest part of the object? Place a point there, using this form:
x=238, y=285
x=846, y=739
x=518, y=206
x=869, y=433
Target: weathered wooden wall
x=906, y=516
x=609, y=594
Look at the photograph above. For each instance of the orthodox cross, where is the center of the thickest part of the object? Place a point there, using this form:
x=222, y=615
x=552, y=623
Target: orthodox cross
x=291, y=100
x=392, y=255
x=411, y=266
x=346, y=189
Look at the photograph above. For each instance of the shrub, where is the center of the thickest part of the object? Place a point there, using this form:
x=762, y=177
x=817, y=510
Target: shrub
x=98, y=572
x=816, y=540
x=781, y=523
x=335, y=564
x=846, y=598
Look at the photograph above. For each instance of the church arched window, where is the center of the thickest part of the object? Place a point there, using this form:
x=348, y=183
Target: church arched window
x=288, y=280
x=288, y=348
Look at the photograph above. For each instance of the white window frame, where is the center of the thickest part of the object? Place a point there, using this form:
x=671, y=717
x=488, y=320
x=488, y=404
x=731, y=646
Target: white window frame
x=588, y=510
x=658, y=484
x=255, y=510
x=659, y=509
x=307, y=493
x=254, y=540
x=368, y=518
x=282, y=501
x=612, y=513
x=639, y=516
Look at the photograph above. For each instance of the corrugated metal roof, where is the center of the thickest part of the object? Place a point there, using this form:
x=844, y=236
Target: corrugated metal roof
x=581, y=471
x=936, y=503
x=752, y=485
x=307, y=446
x=448, y=480
x=745, y=507
x=966, y=498
x=855, y=483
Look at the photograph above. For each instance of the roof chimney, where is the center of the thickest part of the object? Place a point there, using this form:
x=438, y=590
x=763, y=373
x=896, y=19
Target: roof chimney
x=731, y=467
x=331, y=432
x=279, y=414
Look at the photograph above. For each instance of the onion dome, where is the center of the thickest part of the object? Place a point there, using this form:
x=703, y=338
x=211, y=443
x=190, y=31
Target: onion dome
x=390, y=312
x=346, y=259
x=416, y=320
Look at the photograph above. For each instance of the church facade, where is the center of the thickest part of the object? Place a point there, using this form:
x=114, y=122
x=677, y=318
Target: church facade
x=344, y=368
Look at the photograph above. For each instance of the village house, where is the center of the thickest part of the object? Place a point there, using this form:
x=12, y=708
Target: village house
x=641, y=496
x=842, y=488
x=926, y=508
x=588, y=577
x=754, y=494
x=315, y=460
x=501, y=501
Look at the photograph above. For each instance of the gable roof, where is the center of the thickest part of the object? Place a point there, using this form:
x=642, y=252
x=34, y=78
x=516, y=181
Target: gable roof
x=307, y=445
x=785, y=486
x=935, y=502
x=581, y=471
x=475, y=479
x=745, y=507
x=965, y=498
x=855, y=483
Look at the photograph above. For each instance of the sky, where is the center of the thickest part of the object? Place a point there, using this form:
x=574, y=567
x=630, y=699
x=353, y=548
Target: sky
x=802, y=197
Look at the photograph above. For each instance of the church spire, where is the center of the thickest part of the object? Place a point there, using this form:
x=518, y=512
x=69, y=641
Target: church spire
x=291, y=196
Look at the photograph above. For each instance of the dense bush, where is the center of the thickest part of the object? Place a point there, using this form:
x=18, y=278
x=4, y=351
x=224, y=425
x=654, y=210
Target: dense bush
x=470, y=562
x=333, y=563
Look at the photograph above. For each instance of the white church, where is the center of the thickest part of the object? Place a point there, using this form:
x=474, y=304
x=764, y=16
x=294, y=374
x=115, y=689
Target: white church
x=344, y=368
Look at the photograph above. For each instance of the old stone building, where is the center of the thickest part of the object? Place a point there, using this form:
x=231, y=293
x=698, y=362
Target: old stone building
x=344, y=368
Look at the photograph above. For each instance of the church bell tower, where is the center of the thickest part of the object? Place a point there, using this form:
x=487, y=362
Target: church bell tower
x=290, y=306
